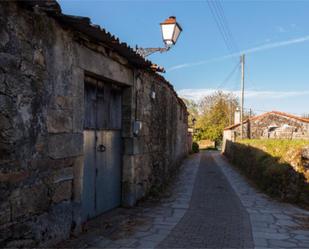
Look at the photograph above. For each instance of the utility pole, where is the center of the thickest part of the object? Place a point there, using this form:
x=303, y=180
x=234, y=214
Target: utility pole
x=242, y=60
x=231, y=113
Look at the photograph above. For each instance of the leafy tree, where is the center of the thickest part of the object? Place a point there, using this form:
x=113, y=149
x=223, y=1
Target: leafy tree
x=192, y=108
x=216, y=112
x=212, y=114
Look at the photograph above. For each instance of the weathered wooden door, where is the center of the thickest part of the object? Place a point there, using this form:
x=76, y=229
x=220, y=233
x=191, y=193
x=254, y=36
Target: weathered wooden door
x=102, y=148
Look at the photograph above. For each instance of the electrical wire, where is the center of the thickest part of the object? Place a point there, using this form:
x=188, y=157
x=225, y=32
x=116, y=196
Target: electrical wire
x=228, y=76
x=220, y=26
x=226, y=25
x=236, y=83
x=220, y=19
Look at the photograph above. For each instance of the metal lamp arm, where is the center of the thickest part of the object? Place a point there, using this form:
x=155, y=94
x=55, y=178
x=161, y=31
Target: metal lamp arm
x=144, y=52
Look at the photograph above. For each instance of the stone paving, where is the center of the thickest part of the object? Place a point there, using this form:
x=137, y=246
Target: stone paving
x=274, y=224
x=210, y=206
x=215, y=218
x=154, y=222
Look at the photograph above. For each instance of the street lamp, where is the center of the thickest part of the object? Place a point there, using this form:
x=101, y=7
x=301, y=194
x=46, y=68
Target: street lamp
x=193, y=125
x=170, y=32
x=193, y=121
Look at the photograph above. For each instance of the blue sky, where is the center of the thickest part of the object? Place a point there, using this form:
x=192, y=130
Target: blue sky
x=274, y=35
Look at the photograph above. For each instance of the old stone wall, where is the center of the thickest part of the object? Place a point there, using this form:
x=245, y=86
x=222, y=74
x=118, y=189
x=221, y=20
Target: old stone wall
x=39, y=141
x=160, y=145
x=275, y=126
x=42, y=70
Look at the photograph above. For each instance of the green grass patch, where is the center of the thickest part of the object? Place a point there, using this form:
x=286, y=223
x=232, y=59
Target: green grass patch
x=276, y=147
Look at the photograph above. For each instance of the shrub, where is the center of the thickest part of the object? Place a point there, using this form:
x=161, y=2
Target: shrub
x=195, y=147
x=270, y=173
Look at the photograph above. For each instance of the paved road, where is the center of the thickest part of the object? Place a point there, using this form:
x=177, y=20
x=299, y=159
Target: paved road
x=215, y=218
x=210, y=206
x=273, y=224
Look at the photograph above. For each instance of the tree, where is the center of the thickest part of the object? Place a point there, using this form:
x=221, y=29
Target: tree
x=192, y=108
x=216, y=112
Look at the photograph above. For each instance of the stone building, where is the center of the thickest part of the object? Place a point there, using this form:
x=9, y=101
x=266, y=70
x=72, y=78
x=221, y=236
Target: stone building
x=86, y=125
x=274, y=124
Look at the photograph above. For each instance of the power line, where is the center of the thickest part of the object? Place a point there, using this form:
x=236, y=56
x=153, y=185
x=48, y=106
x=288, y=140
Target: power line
x=229, y=76
x=218, y=14
x=220, y=19
x=220, y=26
x=254, y=87
x=226, y=24
x=236, y=83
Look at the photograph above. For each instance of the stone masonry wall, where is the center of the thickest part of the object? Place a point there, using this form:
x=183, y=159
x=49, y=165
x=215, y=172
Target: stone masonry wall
x=161, y=143
x=42, y=69
x=288, y=128
x=39, y=142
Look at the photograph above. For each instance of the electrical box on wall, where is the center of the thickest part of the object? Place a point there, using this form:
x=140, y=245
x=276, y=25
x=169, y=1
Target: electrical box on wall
x=137, y=127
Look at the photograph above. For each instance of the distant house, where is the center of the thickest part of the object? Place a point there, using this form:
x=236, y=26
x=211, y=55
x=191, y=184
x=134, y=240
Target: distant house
x=274, y=124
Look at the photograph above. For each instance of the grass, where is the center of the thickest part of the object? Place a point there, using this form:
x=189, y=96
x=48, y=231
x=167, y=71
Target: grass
x=286, y=151
x=276, y=147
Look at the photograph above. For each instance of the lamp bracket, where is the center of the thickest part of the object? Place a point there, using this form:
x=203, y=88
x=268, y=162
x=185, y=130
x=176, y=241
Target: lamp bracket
x=144, y=52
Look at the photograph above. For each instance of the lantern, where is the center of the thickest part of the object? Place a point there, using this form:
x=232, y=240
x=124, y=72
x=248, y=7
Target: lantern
x=170, y=31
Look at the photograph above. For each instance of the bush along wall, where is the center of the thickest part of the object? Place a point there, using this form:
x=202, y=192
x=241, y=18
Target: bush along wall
x=273, y=175
x=195, y=147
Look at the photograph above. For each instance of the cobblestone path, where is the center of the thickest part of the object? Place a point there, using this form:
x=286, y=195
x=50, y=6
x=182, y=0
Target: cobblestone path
x=274, y=224
x=215, y=218
x=210, y=205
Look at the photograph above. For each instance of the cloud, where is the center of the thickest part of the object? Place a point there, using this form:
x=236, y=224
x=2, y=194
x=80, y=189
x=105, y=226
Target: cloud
x=197, y=94
x=200, y=62
x=281, y=29
x=246, y=51
x=288, y=28
x=276, y=45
